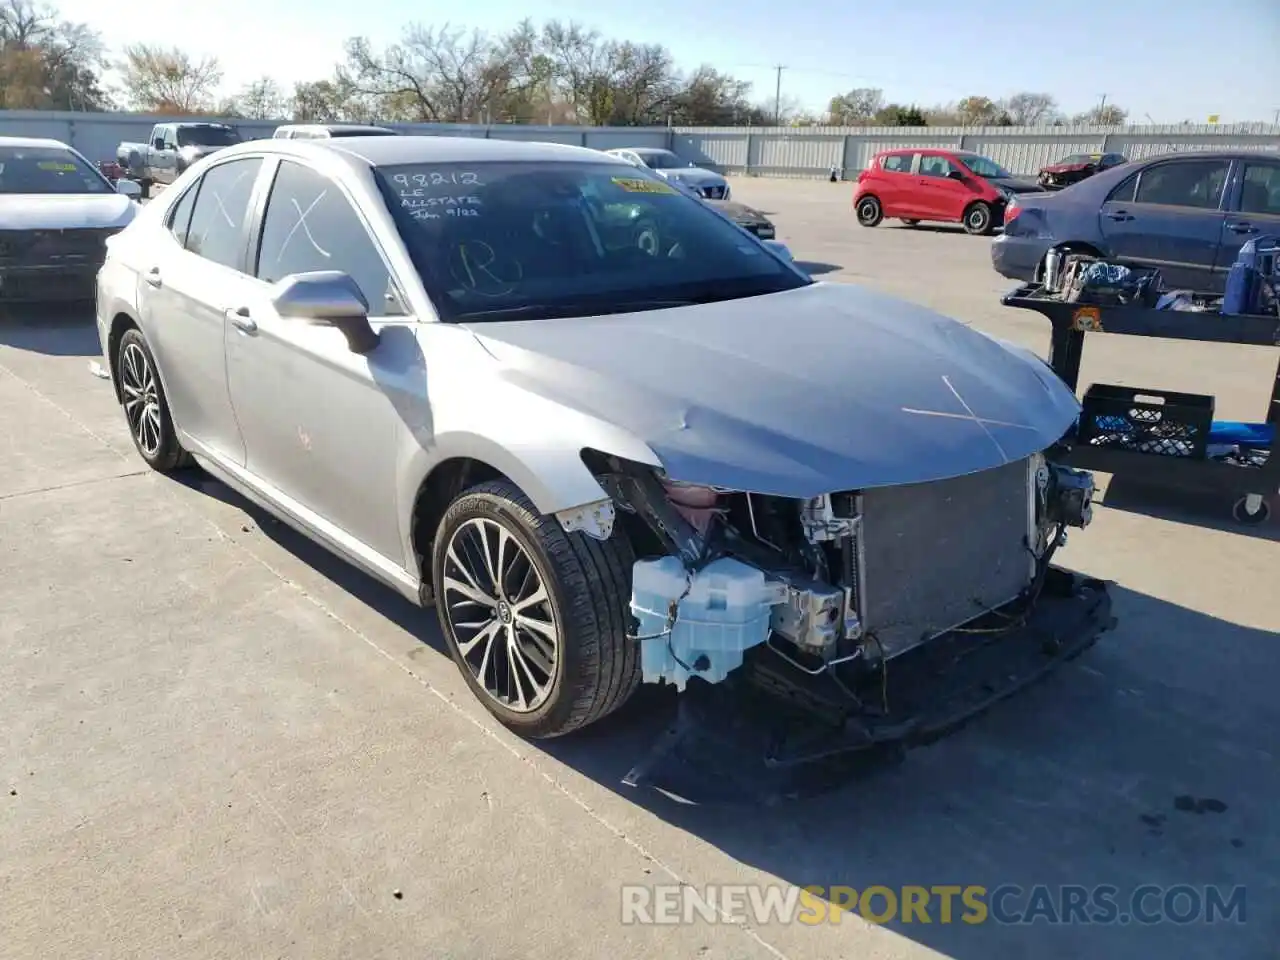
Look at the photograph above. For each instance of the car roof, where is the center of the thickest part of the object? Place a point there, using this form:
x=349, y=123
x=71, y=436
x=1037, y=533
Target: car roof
x=389, y=151
x=643, y=150
x=335, y=127
x=33, y=142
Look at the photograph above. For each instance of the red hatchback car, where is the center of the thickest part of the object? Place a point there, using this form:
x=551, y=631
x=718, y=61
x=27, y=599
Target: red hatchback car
x=951, y=186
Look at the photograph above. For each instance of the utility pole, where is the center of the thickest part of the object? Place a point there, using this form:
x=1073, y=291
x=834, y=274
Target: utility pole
x=1102, y=105
x=777, y=96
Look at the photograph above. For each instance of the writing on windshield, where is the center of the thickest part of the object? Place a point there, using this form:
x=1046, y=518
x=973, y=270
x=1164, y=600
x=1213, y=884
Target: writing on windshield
x=551, y=238
x=47, y=170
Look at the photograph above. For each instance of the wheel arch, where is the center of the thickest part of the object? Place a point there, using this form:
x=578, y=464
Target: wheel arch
x=121, y=322
x=553, y=480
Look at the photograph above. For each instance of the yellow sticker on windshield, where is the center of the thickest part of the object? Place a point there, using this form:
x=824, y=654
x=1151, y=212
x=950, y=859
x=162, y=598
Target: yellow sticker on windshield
x=57, y=165
x=636, y=185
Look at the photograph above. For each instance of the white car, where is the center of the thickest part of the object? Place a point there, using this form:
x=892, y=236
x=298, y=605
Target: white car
x=706, y=183
x=56, y=213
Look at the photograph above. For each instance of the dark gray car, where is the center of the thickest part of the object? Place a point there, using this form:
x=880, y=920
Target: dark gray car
x=1185, y=214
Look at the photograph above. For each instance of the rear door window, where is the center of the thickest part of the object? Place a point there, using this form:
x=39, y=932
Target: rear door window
x=896, y=163
x=217, y=229
x=180, y=216
x=1184, y=183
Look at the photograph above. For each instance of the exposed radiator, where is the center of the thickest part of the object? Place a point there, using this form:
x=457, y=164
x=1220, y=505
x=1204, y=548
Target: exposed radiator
x=936, y=555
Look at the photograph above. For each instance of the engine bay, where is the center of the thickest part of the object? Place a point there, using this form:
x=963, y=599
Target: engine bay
x=835, y=585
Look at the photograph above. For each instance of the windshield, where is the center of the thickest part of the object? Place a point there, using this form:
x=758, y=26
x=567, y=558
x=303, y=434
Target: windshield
x=501, y=240
x=984, y=167
x=207, y=137
x=662, y=160
x=47, y=170
x=1082, y=158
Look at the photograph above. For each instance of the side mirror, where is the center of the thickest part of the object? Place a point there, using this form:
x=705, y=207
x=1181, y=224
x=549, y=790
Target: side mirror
x=129, y=188
x=328, y=297
x=158, y=143
x=956, y=175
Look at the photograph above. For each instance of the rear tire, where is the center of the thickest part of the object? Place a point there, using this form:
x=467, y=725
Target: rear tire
x=978, y=219
x=573, y=642
x=869, y=212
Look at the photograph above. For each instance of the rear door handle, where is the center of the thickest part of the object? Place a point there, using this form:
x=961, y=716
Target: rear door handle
x=1120, y=216
x=1242, y=226
x=152, y=277
x=240, y=318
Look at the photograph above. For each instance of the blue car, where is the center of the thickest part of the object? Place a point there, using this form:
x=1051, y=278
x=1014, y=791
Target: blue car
x=1185, y=214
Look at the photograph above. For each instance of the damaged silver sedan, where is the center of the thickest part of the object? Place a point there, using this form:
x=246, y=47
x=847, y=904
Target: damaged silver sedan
x=611, y=436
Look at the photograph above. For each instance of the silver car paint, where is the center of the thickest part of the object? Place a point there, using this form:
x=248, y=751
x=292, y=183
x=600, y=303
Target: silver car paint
x=792, y=393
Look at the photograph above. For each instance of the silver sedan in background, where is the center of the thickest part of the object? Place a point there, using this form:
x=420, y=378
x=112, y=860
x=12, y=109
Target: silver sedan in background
x=493, y=374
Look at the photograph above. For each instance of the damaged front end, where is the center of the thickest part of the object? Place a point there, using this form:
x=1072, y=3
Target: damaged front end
x=823, y=627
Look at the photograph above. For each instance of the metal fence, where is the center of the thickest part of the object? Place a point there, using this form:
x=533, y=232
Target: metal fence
x=759, y=151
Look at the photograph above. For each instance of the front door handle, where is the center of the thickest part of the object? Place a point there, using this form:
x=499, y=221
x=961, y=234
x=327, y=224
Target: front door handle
x=152, y=277
x=240, y=318
x=1120, y=216
x=1242, y=226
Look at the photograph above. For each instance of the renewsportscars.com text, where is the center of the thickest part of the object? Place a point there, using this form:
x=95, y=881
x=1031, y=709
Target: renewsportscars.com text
x=941, y=903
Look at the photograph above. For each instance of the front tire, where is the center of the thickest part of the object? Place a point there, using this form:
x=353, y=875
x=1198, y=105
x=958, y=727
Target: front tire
x=978, y=219
x=534, y=617
x=146, y=409
x=869, y=212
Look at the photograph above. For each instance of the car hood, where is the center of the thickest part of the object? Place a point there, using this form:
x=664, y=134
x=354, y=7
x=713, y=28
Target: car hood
x=56, y=211
x=823, y=388
x=1016, y=184
x=737, y=211
x=1066, y=167
x=694, y=175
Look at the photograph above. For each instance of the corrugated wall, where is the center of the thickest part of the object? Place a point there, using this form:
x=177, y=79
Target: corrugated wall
x=813, y=151
x=761, y=151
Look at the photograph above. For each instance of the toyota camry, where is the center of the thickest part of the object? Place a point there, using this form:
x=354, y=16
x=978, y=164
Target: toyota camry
x=608, y=449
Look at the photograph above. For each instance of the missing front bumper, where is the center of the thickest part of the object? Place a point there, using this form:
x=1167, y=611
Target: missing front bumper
x=769, y=733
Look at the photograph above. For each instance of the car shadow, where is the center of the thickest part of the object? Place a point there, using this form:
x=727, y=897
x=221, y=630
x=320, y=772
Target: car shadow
x=60, y=331
x=816, y=269
x=941, y=228
x=1192, y=509
x=1150, y=760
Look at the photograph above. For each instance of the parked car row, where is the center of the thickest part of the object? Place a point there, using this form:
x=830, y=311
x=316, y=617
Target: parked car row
x=1186, y=215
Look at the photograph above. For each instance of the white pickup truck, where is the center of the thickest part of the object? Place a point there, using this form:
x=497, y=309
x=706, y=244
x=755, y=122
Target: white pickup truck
x=172, y=148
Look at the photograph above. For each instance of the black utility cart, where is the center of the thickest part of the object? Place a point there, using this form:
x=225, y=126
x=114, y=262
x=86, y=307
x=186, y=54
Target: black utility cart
x=1154, y=436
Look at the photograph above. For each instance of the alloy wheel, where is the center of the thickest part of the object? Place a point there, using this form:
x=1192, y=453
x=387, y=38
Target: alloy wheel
x=499, y=611
x=141, y=399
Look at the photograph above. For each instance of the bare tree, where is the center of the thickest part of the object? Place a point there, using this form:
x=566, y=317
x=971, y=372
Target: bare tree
x=261, y=100
x=443, y=74
x=1028, y=109
x=856, y=107
x=46, y=62
x=167, y=80
x=1103, y=115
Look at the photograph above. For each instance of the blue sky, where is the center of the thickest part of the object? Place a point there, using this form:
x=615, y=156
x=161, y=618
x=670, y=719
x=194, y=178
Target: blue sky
x=1167, y=61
